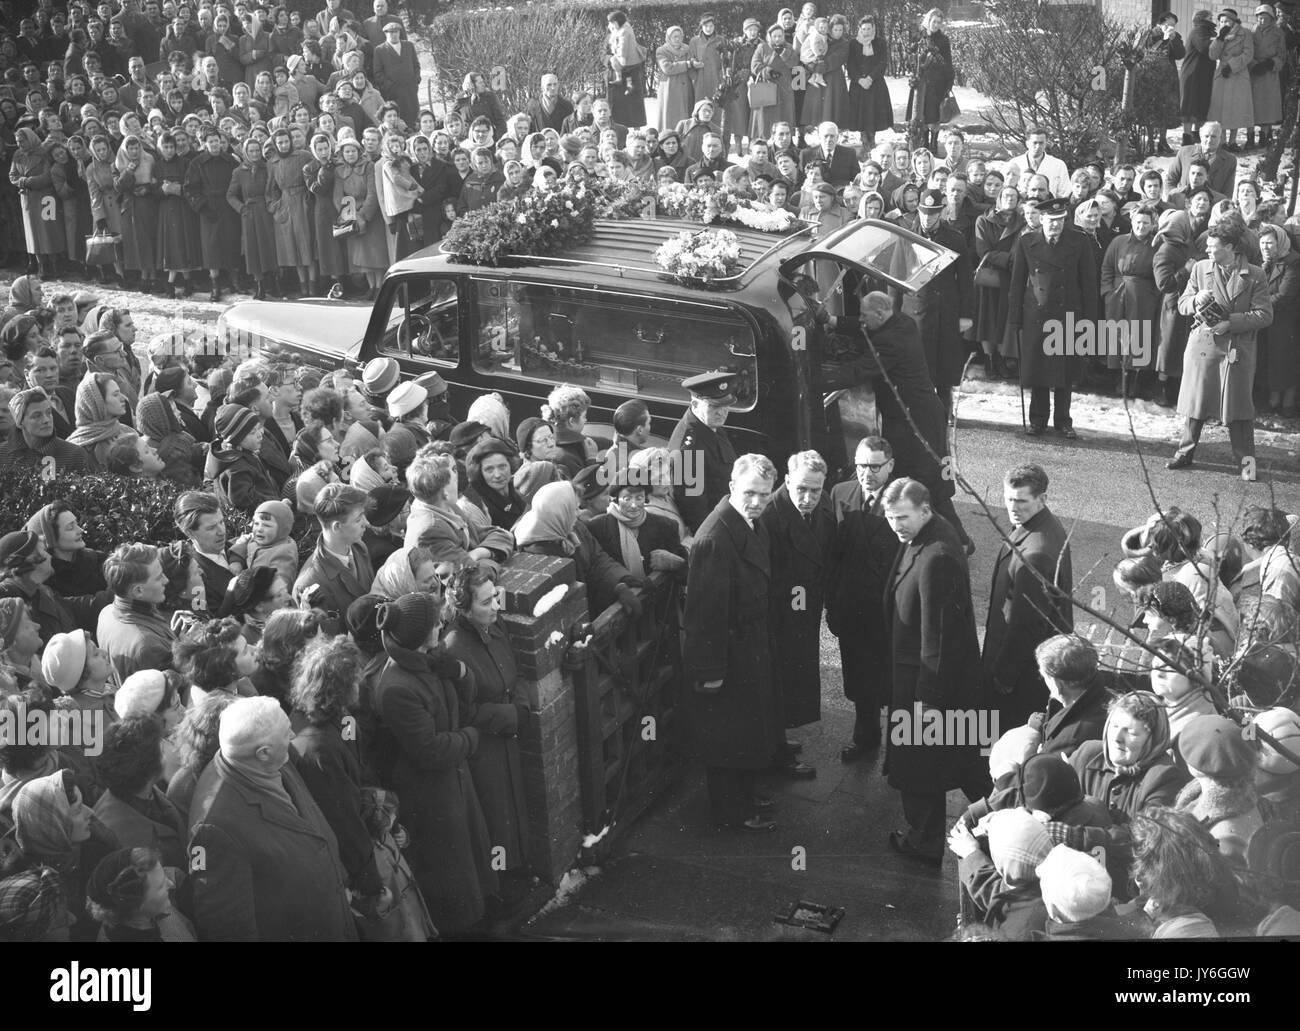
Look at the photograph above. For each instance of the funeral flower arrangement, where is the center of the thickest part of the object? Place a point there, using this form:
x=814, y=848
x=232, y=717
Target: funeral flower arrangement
x=702, y=256
x=709, y=202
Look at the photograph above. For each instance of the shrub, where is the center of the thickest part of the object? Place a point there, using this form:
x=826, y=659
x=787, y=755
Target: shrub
x=111, y=509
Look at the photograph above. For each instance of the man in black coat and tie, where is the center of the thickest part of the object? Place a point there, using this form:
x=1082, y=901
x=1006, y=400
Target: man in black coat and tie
x=944, y=308
x=732, y=707
x=1024, y=610
x=841, y=162
x=864, y=552
x=801, y=531
x=899, y=357
x=936, y=677
x=704, y=453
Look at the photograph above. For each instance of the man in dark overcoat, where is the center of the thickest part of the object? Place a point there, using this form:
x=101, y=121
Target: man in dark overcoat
x=1196, y=75
x=397, y=72
x=936, y=676
x=702, y=449
x=1053, y=275
x=801, y=531
x=731, y=703
x=1023, y=610
x=944, y=308
x=864, y=552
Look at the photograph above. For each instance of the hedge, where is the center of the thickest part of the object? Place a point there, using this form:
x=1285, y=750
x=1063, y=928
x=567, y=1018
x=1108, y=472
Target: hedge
x=568, y=37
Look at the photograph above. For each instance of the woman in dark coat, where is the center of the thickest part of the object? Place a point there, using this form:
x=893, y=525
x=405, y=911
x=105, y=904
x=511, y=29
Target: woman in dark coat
x=1129, y=293
x=1282, y=269
x=996, y=234
x=323, y=692
x=187, y=149
x=838, y=107
x=247, y=196
x=933, y=76
x=450, y=848
x=869, y=107
x=1171, y=265
x=77, y=568
x=318, y=173
x=1196, y=76
x=139, y=191
x=173, y=214
x=498, y=708
x=1156, y=80
x=206, y=186
x=490, y=487
x=632, y=536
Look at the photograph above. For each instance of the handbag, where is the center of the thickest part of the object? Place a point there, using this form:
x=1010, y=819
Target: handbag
x=949, y=109
x=762, y=94
x=344, y=227
x=101, y=249
x=987, y=275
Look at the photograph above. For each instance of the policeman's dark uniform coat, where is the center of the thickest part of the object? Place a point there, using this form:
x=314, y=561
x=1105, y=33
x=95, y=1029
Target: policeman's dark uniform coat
x=938, y=305
x=728, y=639
x=715, y=454
x=1047, y=282
x=935, y=655
x=863, y=555
x=800, y=557
x=1023, y=613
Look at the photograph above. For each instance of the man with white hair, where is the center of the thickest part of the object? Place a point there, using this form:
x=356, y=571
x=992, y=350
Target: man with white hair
x=549, y=109
x=264, y=864
x=841, y=162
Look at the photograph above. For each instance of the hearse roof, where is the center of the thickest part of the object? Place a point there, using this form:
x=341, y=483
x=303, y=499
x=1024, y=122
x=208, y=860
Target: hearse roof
x=626, y=249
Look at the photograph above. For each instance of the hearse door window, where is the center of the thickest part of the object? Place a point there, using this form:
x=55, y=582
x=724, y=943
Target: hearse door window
x=424, y=321
x=608, y=341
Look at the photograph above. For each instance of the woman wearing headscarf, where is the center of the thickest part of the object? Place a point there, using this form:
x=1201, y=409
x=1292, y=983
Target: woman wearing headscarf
x=423, y=720
x=490, y=489
x=25, y=295
x=552, y=527
x=318, y=176
x=407, y=570
x=77, y=568
x=676, y=91
x=139, y=191
x=869, y=107
x=174, y=245
x=773, y=61
x=354, y=191
x=54, y=827
x=159, y=424
x=1130, y=294
x=246, y=195
x=498, y=709
x=1171, y=269
x=66, y=183
x=288, y=201
x=105, y=200
x=29, y=171
x=206, y=186
x=1282, y=269
x=100, y=407
x=996, y=233
x=692, y=129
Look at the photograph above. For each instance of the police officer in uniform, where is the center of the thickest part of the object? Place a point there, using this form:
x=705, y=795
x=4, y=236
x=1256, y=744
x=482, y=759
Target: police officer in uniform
x=944, y=308
x=1053, y=273
x=700, y=431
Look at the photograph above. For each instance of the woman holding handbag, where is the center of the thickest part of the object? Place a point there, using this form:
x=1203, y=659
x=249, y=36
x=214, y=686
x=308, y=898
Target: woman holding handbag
x=996, y=234
x=354, y=189
x=626, y=79
x=105, y=206
x=771, y=94
x=139, y=191
x=933, y=78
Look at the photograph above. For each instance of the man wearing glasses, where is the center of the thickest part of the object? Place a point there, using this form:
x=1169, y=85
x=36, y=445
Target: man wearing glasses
x=861, y=558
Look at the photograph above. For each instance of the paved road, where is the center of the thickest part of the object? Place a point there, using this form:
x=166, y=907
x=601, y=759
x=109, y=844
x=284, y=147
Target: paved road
x=672, y=877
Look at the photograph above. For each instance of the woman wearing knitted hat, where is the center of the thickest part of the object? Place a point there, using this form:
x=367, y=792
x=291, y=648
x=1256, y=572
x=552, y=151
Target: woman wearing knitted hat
x=234, y=466
x=100, y=407
x=56, y=828
x=80, y=671
x=450, y=849
x=77, y=568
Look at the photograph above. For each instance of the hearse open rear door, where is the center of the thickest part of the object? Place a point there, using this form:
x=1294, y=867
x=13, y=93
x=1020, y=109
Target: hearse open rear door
x=822, y=287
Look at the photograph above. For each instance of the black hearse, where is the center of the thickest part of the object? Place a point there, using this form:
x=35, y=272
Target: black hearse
x=603, y=316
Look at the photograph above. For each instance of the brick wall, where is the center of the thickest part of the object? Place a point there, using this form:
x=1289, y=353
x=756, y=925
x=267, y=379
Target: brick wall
x=1128, y=12
x=548, y=742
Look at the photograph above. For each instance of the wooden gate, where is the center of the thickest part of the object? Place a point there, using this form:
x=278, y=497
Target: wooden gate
x=626, y=687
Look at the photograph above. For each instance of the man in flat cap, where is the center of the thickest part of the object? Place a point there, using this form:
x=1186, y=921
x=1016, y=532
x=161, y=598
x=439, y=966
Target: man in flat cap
x=704, y=453
x=1053, y=276
x=397, y=72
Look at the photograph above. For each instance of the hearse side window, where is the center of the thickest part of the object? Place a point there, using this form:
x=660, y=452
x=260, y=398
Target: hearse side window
x=615, y=342
x=423, y=322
